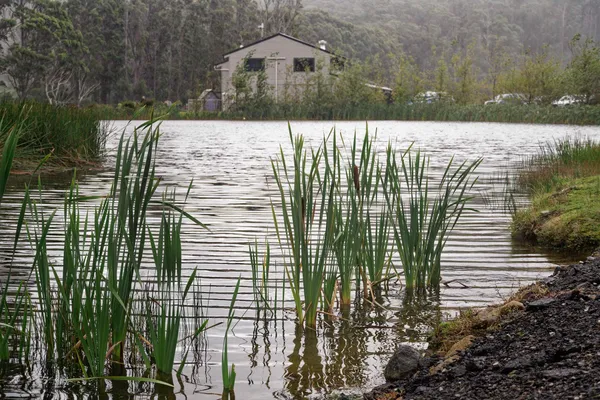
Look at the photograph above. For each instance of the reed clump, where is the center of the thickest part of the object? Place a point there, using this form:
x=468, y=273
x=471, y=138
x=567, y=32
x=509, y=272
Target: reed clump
x=86, y=302
x=70, y=134
x=339, y=234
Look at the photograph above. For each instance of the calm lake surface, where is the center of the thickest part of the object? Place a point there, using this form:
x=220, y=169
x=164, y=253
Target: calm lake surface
x=229, y=163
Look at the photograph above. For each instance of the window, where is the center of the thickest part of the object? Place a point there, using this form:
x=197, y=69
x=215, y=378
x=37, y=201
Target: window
x=304, y=65
x=255, y=64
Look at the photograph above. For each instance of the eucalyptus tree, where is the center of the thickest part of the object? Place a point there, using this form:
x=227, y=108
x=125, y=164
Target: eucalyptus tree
x=44, y=50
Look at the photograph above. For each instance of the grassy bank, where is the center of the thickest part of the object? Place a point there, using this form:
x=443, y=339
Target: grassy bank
x=563, y=181
x=581, y=115
x=70, y=134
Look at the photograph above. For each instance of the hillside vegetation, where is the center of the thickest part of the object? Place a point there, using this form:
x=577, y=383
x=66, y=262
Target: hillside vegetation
x=107, y=51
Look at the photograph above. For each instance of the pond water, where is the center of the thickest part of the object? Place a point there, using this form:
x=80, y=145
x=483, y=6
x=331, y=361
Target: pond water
x=230, y=165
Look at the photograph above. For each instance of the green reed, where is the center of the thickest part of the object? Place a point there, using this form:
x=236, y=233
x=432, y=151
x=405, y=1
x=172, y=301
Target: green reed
x=346, y=244
x=307, y=197
x=20, y=306
x=69, y=133
x=442, y=111
x=424, y=216
x=559, y=160
x=228, y=375
x=164, y=325
x=85, y=304
x=260, y=277
x=346, y=226
x=376, y=254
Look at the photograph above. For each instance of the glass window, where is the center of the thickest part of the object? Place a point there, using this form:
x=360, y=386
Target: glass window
x=255, y=64
x=304, y=65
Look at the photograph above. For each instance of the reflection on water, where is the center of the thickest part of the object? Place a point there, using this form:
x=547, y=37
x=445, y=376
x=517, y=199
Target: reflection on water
x=230, y=165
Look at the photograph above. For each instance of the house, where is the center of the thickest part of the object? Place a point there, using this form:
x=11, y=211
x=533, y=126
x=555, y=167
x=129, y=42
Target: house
x=288, y=62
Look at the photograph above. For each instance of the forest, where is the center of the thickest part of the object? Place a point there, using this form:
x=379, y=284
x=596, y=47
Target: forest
x=109, y=51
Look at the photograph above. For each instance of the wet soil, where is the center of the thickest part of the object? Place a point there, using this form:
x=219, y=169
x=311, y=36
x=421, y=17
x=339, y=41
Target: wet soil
x=551, y=350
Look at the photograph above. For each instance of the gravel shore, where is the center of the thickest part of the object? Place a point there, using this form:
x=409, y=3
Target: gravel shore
x=549, y=350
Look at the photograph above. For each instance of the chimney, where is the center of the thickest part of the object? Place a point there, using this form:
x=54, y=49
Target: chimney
x=322, y=44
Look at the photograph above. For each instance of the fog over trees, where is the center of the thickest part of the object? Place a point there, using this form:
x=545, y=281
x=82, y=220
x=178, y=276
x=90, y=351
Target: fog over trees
x=113, y=50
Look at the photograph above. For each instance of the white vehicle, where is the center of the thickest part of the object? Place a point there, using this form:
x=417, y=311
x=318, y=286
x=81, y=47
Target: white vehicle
x=432, y=97
x=569, y=100
x=508, y=98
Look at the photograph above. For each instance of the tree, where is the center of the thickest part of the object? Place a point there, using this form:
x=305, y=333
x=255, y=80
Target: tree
x=45, y=50
x=280, y=15
x=584, y=70
x=464, y=78
x=409, y=79
x=538, y=78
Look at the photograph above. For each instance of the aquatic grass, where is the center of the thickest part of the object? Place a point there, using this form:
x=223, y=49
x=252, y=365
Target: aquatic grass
x=557, y=161
x=170, y=294
x=364, y=179
x=20, y=307
x=376, y=254
x=561, y=180
x=423, y=218
x=69, y=133
x=441, y=111
x=260, y=277
x=86, y=304
x=307, y=197
x=346, y=245
x=228, y=375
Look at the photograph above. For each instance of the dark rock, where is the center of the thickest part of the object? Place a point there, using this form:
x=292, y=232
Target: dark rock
x=560, y=373
x=403, y=364
x=540, y=304
x=476, y=364
x=422, y=390
x=459, y=370
x=518, y=363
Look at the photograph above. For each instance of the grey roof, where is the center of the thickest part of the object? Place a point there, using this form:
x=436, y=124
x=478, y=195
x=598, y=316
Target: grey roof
x=275, y=35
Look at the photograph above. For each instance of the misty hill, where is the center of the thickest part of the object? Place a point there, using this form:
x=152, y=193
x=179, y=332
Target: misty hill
x=422, y=28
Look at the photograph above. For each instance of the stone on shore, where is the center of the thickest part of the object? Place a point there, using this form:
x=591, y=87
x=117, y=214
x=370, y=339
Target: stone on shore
x=403, y=364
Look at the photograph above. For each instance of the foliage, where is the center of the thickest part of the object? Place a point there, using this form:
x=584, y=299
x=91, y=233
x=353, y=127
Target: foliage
x=334, y=233
x=307, y=197
x=19, y=307
x=229, y=375
x=87, y=302
x=47, y=51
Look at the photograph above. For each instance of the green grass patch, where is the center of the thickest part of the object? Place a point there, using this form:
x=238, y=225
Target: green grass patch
x=567, y=218
x=563, y=181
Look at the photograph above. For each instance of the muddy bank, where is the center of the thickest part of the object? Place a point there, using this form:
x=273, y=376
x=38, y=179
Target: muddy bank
x=550, y=349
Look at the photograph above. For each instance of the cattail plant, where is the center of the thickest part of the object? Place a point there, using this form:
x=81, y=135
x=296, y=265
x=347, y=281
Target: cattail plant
x=424, y=214
x=306, y=233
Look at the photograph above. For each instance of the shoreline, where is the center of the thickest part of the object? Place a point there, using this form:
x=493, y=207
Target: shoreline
x=543, y=342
